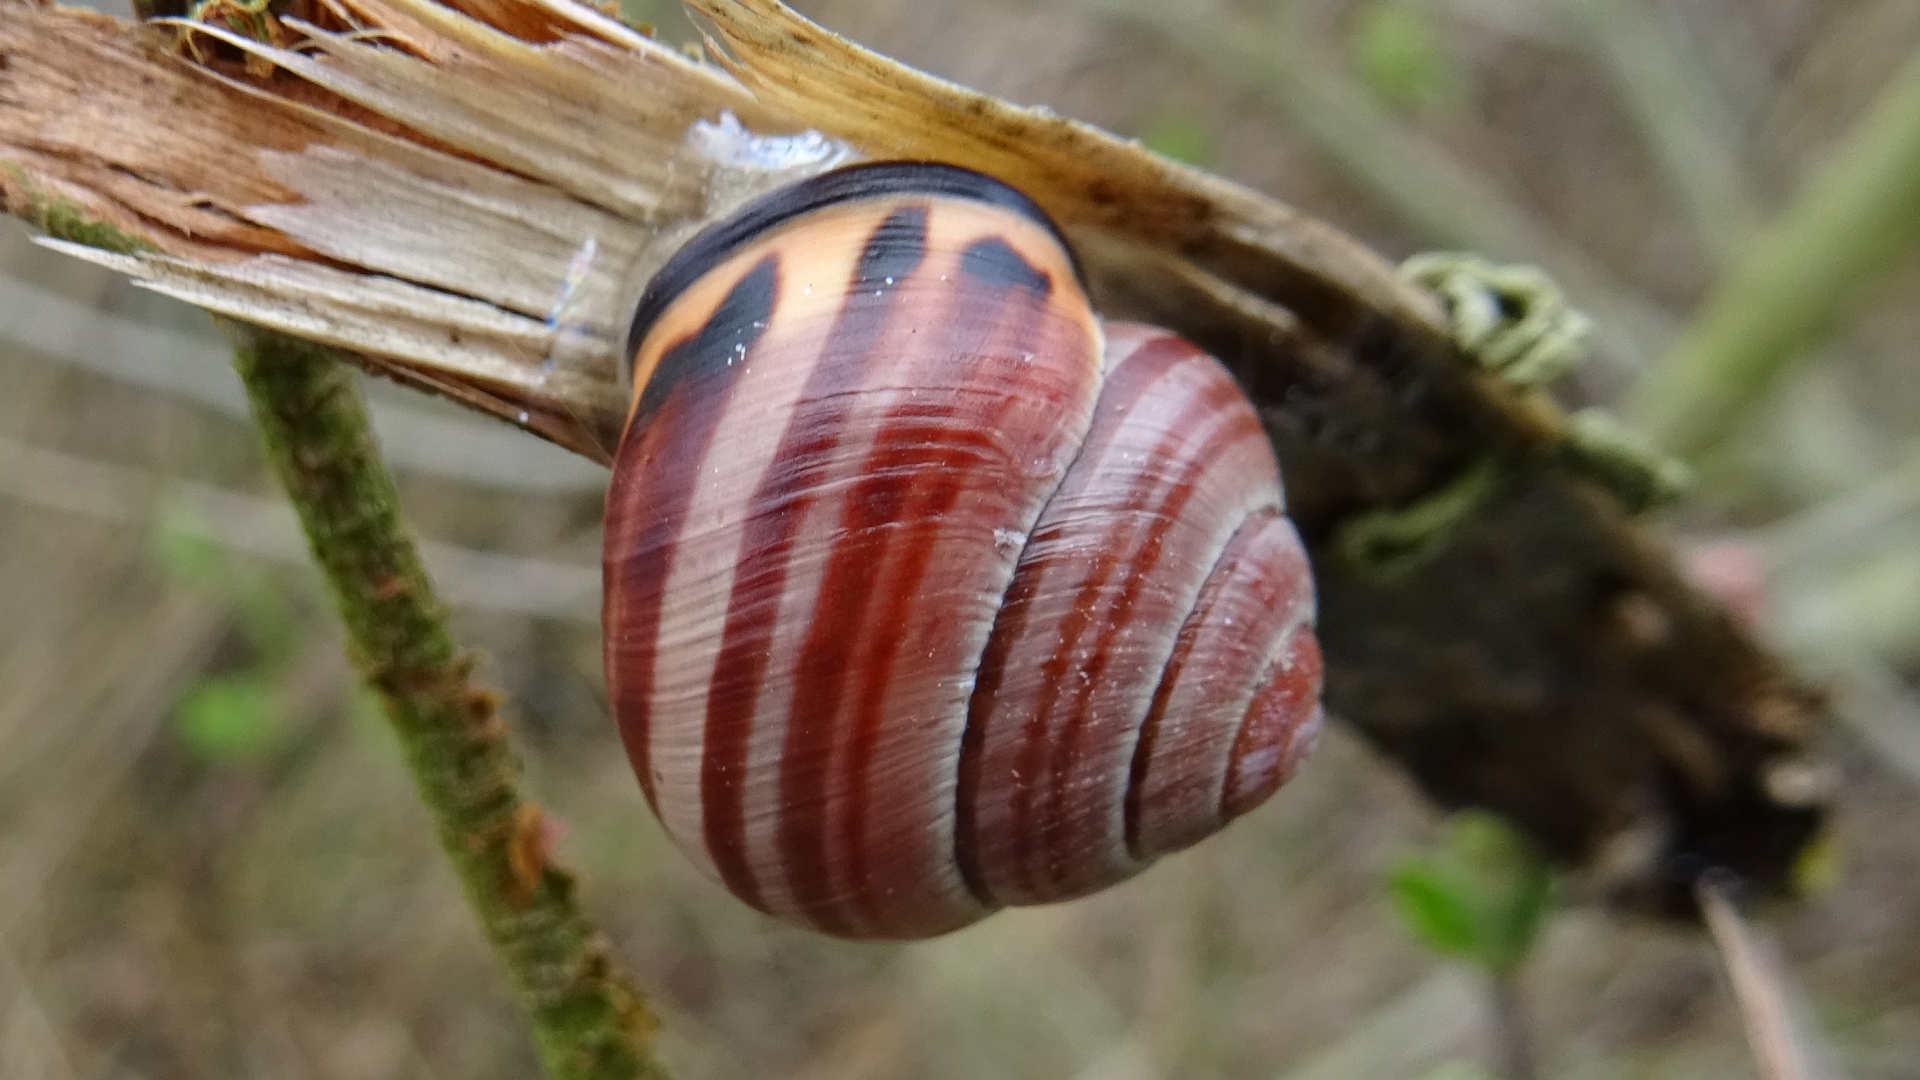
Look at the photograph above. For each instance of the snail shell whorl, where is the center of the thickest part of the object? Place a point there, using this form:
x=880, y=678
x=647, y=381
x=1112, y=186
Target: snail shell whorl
x=923, y=595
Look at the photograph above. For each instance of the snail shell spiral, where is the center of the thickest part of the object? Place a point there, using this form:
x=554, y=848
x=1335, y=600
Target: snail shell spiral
x=926, y=591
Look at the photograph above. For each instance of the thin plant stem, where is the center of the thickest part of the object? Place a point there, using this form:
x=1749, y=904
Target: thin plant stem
x=1512, y=1036
x=1756, y=984
x=589, y=1021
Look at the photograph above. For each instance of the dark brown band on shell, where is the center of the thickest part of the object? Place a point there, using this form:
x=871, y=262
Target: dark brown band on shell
x=714, y=243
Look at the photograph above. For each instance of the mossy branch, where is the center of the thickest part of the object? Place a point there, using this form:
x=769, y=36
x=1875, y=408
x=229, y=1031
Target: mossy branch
x=588, y=1019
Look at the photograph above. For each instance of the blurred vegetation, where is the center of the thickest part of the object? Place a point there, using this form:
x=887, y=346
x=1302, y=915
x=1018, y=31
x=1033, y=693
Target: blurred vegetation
x=212, y=866
x=1180, y=134
x=233, y=715
x=1398, y=53
x=1481, y=895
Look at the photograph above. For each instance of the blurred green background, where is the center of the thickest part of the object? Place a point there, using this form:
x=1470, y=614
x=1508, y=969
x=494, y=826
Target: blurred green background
x=211, y=864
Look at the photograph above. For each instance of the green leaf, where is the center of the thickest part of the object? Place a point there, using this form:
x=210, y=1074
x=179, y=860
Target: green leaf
x=1514, y=885
x=1483, y=895
x=1398, y=53
x=1518, y=921
x=1436, y=907
x=228, y=719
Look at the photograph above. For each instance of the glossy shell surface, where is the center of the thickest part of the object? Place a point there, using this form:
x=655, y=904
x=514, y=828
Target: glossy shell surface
x=927, y=593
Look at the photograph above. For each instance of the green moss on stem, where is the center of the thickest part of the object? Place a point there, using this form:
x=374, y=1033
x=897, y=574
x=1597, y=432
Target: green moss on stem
x=60, y=216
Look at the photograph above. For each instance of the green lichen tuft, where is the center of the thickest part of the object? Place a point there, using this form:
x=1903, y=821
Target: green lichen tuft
x=1392, y=542
x=1603, y=448
x=1512, y=320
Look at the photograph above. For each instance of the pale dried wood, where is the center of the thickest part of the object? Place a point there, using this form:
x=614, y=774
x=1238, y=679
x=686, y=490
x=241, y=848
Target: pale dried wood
x=431, y=195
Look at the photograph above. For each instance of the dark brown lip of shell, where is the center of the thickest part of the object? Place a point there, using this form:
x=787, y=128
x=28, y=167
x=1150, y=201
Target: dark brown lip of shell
x=855, y=182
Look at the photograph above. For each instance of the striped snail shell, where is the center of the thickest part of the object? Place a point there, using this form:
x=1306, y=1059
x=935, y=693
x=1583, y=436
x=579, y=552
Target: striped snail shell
x=926, y=592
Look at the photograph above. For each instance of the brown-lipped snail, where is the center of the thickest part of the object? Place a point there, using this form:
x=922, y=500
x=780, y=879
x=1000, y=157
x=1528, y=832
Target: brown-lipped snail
x=928, y=592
